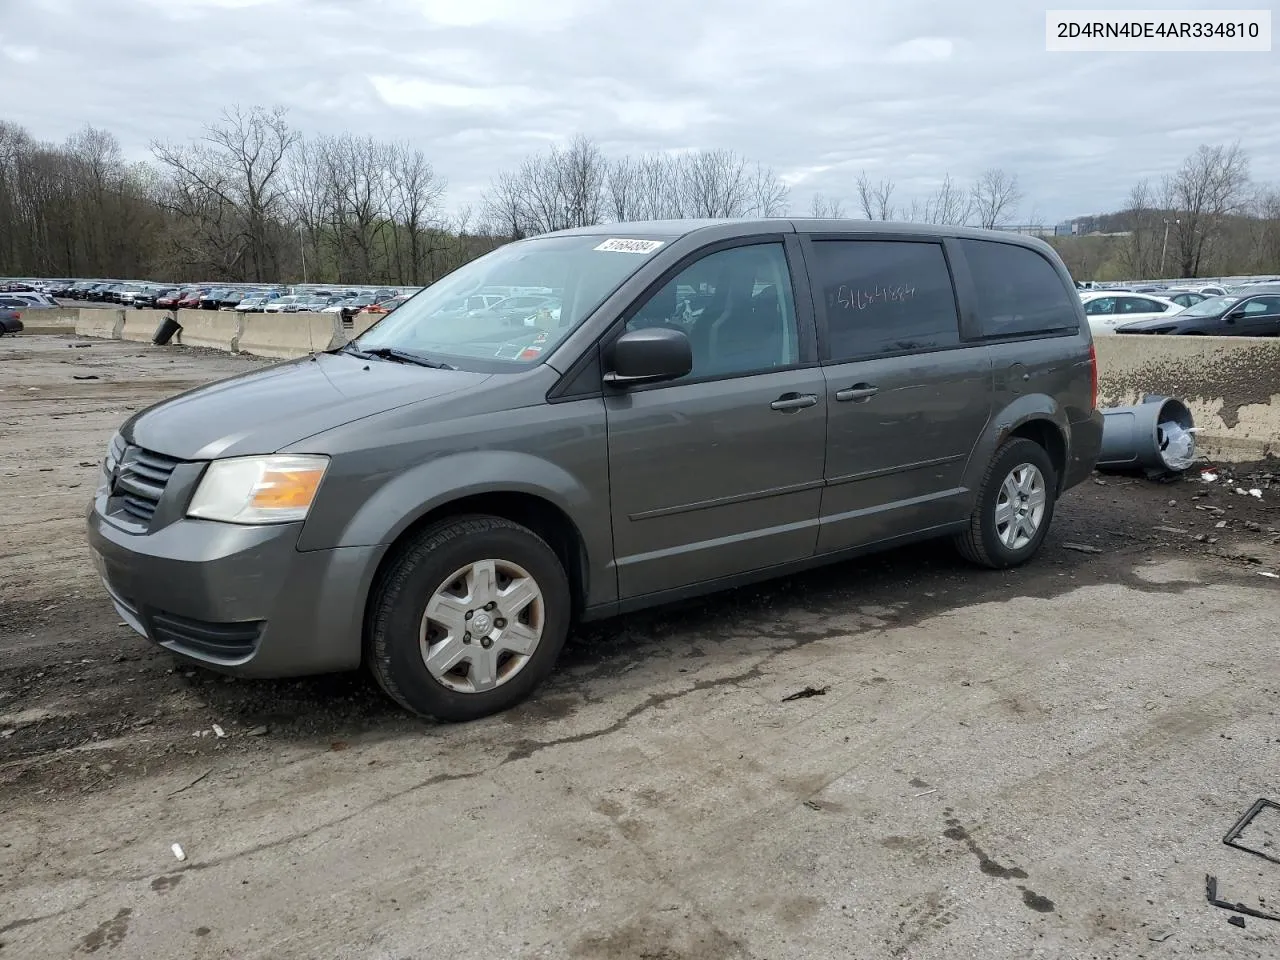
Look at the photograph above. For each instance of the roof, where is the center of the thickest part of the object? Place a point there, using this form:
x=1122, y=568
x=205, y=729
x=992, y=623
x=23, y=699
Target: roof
x=731, y=227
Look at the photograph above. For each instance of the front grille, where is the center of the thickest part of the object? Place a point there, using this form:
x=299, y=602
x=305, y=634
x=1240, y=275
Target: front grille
x=140, y=481
x=228, y=641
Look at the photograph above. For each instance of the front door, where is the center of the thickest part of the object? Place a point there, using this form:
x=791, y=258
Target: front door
x=907, y=401
x=720, y=472
x=1260, y=318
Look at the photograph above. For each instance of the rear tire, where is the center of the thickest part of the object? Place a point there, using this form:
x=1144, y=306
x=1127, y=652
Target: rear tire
x=1014, y=508
x=468, y=618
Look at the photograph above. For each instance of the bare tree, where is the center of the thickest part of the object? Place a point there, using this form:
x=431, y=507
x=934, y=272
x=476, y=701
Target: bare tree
x=995, y=197
x=1141, y=252
x=240, y=162
x=767, y=196
x=1210, y=186
x=416, y=193
x=714, y=184
x=875, y=199
x=823, y=207
x=949, y=204
x=555, y=191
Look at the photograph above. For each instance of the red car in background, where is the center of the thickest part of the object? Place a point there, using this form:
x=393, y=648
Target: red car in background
x=191, y=298
x=170, y=300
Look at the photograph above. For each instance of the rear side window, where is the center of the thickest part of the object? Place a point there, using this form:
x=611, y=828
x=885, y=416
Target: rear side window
x=1018, y=291
x=884, y=297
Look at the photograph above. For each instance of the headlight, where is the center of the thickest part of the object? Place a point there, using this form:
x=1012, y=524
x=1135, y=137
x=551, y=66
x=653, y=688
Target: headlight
x=276, y=489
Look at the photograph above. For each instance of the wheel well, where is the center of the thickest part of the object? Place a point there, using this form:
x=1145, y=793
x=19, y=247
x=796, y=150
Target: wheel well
x=1047, y=434
x=541, y=516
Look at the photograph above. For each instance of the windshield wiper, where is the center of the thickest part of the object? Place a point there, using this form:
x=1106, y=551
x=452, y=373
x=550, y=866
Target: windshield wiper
x=398, y=356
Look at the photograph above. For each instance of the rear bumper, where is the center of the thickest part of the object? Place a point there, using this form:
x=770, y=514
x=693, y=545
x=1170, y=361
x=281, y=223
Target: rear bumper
x=238, y=599
x=1086, y=445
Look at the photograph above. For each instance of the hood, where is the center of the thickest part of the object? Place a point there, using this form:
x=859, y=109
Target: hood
x=266, y=410
x=1176, y=321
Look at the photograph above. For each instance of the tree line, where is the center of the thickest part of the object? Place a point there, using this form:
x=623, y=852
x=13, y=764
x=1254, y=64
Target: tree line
x=1208, y=218
x=254, y=199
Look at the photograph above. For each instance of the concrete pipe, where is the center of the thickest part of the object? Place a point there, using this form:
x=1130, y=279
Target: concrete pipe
x=1156, y=437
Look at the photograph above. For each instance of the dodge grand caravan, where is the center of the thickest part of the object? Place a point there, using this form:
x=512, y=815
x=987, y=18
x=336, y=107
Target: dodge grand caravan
x=709, y=404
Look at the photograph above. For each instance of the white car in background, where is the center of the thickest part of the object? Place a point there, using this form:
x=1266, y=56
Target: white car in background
x=289, y=304
x=1107, y=309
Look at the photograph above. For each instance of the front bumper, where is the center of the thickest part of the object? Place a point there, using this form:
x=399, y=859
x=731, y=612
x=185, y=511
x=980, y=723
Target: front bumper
x=239, y=599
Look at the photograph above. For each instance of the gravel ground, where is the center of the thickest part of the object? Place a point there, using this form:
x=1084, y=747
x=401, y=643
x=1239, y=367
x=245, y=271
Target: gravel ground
x=1033, y=763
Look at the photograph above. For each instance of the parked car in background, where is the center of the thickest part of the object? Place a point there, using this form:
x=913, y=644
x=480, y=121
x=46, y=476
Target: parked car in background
x=255, y=302
x=1106, y=309
x=353, y=305
x=1257, y=315
x=26, y=301
x=127, y=293
x=150, y=297
x=385, y=306
x=286, y=304
x=171, y=300
x=191, y=300
x=211, y=299
x=1184, y=298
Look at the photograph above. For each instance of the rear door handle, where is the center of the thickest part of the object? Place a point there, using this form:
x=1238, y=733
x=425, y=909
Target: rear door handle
x=794, y=401
x=859, y=391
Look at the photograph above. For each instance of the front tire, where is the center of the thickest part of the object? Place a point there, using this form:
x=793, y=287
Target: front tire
x=1014, y=508
x=468, y=618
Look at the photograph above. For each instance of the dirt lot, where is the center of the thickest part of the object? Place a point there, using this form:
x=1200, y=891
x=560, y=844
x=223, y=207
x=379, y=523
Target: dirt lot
x=1039, y=763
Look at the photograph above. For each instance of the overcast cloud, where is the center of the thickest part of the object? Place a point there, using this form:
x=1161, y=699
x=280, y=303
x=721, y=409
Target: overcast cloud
x=817, y=89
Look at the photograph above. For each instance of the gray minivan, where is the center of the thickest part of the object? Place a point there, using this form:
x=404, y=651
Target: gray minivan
x=709, y=403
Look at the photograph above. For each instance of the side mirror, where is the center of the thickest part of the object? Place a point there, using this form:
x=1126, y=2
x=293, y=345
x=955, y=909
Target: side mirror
x=1234, y=315
x=649, y=355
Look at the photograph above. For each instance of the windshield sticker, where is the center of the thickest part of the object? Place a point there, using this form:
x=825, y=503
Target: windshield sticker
x=618, y=245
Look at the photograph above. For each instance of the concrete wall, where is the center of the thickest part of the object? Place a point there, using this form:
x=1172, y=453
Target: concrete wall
x=1230, y=384
x=289, y=335
x=53, y=321
x=215, y=329
x=103, y=323
x=140, y=325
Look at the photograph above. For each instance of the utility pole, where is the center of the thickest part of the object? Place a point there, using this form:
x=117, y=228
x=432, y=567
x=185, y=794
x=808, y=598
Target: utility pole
x=302, y=249
x=1165, y=248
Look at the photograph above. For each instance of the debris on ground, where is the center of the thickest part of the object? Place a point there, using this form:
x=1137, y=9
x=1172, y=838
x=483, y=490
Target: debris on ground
x=806, y=693
x=178, y=851
x=1081, y=548
x=1236, y=921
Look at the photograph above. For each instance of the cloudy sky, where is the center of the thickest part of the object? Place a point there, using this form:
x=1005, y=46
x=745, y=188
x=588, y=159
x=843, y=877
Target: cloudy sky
x=818, y=89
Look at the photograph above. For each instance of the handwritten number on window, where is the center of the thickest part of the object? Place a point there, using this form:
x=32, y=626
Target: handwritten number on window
x=861, y=298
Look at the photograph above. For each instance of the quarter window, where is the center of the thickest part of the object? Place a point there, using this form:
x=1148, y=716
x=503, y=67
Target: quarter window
x=1019, y=292
x=737, y=308
x=884, y=297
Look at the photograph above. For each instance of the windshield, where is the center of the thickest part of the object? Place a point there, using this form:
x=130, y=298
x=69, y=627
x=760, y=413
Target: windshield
x=535, y=292
x=1208, y=308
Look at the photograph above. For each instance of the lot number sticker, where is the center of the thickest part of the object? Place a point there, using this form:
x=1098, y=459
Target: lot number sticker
x=617, y=245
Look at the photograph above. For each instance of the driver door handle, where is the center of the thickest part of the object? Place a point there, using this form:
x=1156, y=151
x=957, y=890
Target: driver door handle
x=859, y=391
x=794, y=401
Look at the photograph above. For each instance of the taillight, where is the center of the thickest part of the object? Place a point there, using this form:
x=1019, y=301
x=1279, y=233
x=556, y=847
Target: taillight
x=1093, y=376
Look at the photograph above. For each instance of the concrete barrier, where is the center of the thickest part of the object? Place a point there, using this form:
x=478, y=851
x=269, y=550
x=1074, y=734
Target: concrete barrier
x=216, y=329
x=363, y=321
x=53, y=321
x=288, y=335
x=99, y=322
x=1230, y=384
x=140, y=325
